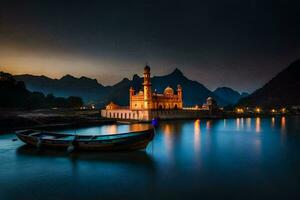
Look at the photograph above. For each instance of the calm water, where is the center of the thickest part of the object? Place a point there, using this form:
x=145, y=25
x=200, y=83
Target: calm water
x=233, y=158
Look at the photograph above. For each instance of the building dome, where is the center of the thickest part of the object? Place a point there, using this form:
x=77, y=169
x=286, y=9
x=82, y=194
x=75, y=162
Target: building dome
x=146, y=69
x=168, y=91
x=111, y=106
x=209, y=99
x=141, y=92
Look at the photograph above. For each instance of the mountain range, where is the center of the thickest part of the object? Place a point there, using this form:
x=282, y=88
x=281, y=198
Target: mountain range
x=282, y=90
x=230, y=95
x=91, y=91
x=16, y=95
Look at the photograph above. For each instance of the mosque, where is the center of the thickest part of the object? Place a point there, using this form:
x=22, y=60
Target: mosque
x=153, y=101
x=146, y=105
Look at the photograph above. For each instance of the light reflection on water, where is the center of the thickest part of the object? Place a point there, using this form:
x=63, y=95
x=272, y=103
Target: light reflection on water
x=195, y=158
x=257, y=125
x=283, y=124
x=273, y=122
x=107, y=129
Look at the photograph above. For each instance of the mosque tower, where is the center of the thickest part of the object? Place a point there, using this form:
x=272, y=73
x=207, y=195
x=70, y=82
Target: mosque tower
x=147, y=88
x=131, y=93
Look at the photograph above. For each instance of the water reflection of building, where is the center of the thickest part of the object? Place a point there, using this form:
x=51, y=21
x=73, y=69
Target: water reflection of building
x=197, y=132
x=283, y=124
x=145, y=104
x=273, y=122
x=257, y=125
x=112, y=129
x=238, y=123
x=248, y=123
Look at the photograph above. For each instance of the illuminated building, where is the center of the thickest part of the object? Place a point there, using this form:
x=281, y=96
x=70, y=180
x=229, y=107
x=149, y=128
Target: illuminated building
x=153, y=101
x=146, y=105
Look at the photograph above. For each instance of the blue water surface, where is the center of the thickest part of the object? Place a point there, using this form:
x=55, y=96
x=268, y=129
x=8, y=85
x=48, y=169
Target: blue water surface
x=244, y=158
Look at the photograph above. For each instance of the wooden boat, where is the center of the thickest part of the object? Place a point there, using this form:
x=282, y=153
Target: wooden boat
x=114, y=142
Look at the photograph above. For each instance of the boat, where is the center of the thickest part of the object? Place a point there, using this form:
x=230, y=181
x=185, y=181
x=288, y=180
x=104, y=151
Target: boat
x=134, y=140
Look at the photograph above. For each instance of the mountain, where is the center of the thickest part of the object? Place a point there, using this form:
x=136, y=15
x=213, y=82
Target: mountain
x=193, y=91
x=230, y=95
x=92, y=91
x=282, y=90
x=16, y=95
x=89, y=89
x=244, y=94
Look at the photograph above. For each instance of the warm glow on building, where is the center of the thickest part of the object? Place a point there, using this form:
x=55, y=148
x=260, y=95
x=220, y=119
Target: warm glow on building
x=145, y=104
x=257, y=110
x=146, y=99
x=240, y=110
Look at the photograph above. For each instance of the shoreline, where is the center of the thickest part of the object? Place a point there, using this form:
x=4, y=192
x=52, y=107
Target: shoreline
x=47, y=119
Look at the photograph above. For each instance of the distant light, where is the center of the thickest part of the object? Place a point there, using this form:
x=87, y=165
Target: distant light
x=257, y=110
x=273, y=110
x=283, y=110
x=239, y=110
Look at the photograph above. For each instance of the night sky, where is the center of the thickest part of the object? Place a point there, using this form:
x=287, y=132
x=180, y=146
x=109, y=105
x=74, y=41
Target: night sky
x=235, y=43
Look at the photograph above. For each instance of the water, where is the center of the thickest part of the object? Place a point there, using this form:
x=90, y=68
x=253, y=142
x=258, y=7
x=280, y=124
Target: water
x=256, y=158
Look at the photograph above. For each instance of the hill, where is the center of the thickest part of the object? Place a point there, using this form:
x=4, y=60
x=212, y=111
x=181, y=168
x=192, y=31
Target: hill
x=16, y=95
x=92, y=91
x=282, y=90
x=230, y=95
x=193, y=91
x=88, y=89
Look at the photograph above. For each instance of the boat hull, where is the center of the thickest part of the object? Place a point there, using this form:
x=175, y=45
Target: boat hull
x=127, y=141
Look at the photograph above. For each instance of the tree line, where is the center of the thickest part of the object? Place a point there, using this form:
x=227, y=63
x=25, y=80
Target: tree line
x=15, y=95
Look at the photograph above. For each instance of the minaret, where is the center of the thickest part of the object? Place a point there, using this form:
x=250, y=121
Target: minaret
x=179, y=94
x=179, y=91
x=131, y=93
x=147, y=88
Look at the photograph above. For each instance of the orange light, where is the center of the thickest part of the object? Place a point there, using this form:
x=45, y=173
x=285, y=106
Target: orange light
x=273, y=110
x=257, y=110
x=239, y=110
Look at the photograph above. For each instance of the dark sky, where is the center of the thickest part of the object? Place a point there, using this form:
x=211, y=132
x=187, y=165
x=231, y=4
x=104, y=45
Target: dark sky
x=235, y=43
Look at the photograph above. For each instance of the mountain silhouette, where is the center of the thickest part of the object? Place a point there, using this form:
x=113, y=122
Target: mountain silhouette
x=88, y=89
x=282, y=90
x=230, y=95
x=16, y=95
x=194, y=93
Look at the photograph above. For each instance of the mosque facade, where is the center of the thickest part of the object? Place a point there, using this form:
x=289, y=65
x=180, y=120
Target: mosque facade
x=145, y=105
x=148, y=100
